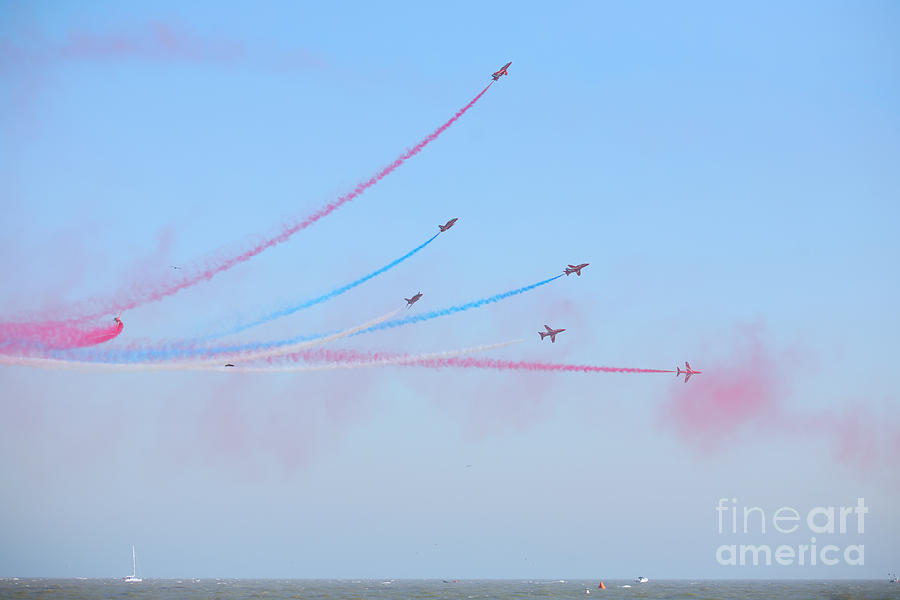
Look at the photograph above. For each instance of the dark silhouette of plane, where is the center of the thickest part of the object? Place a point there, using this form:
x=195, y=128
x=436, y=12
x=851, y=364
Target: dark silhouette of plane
x=688, y=371
x=413, y=300
x=551, y=332
x=498, y=74
x=576, y=269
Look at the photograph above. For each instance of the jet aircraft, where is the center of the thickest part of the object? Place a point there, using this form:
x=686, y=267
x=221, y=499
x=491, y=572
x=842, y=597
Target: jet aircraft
x=413, y=300
x=498, y=74
x=576, y=269
x=551, y=332
x=448, y=225
x=688, y=371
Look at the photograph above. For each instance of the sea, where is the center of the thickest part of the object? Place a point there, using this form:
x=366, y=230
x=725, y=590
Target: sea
x=325, y=589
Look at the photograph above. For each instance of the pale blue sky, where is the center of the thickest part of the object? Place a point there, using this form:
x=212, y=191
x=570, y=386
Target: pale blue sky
x=720, y=166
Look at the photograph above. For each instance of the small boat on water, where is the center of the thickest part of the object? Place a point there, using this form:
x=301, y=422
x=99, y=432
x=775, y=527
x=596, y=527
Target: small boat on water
x=641, y=580
x=133, y=578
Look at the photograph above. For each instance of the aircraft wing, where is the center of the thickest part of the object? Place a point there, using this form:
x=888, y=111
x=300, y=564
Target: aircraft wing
x=688, y=365
x=547, y=327
x=687, y=376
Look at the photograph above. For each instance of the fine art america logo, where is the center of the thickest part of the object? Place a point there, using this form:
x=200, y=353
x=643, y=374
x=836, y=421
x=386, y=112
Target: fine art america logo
x=788, y=524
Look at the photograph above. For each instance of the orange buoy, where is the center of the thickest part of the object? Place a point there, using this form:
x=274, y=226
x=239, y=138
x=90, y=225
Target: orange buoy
x=602, y=586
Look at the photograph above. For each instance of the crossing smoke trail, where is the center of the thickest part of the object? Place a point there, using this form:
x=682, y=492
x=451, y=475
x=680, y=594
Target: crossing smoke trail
x=181, y=351
x=294, y=347
x=352, y=359
x=361, y=360
x=214, y=266
x=320, y=299
x=426, y=316
x=346, y=359
x=26, y=337
x=455, y=309
x=212, y=360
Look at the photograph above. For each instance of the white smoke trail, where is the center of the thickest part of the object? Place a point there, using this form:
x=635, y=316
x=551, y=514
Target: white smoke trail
x=384, y=362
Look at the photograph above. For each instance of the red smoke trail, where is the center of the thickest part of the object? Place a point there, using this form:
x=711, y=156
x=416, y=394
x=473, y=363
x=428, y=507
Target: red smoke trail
x=139, y=297
x=745, y=389
x=745, y=398
x=351, y=356
x=209, y=360
x=18, y=337
x=867, y=439
x=521, y=365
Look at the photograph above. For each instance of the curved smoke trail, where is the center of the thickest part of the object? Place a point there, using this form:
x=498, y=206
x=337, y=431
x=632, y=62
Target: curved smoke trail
x=320, y=299
x=361, y=360
x=455, y=309
x=138, y=297
x=182, y=351
x=263, y=353
x=29, y=337
x=353, y=359
x=210, y=361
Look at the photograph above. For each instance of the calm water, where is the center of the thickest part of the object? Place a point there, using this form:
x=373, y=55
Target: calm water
x=439, y=590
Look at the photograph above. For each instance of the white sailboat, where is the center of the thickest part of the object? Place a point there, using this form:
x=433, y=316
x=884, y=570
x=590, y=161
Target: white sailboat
x=133, y=578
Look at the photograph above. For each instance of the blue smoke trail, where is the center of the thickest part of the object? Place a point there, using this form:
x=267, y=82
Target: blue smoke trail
x=319, y=300
x=180, y=351
x=454, y=309
x=187, y=349
x=150, y=354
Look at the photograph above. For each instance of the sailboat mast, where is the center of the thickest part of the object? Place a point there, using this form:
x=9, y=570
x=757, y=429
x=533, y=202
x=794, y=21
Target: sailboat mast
x=133, y=563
